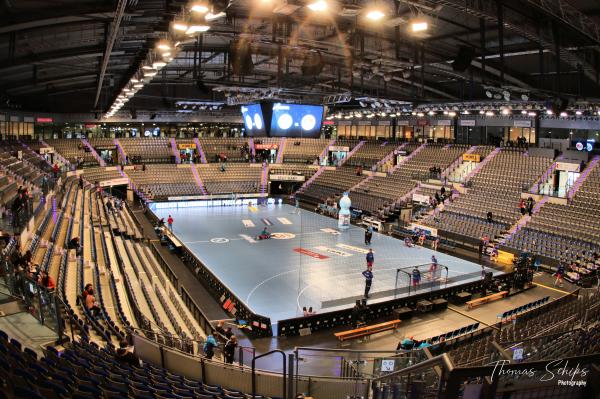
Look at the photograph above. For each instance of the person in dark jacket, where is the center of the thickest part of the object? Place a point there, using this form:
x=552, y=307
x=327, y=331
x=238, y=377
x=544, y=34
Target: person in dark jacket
x=368, y=274
x=125, y=356
x=209, y=347
x=229, y=349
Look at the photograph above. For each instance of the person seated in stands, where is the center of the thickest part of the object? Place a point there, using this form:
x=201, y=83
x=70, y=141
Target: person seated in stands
x=490, y=217
x=46, y=281
x=407, y=344
x=74, y=244
x=264, y=234
x=126, y=356
x=90, y=303
x=109, y=205
x=86, y=291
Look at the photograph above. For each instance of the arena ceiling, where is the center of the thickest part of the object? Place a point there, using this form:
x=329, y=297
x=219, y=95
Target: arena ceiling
x=67, y=55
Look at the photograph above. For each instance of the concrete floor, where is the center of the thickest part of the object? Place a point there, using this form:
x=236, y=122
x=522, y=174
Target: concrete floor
x=27, y=330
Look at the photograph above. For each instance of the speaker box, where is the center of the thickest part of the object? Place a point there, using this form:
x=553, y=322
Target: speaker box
x=241, y=58
x=463, y=58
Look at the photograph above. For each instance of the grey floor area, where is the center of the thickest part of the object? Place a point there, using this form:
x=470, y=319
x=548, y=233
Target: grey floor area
x=275, y=280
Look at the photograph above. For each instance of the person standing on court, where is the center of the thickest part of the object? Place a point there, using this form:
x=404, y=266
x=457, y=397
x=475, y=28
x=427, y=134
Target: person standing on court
x=170, y=222
x=370, y=258
x=416, y=277
x=368, y=235
x=368, y=274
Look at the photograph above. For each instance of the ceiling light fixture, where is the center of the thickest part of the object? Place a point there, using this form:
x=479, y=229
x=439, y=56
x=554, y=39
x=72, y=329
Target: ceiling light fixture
x=375, y=15
x=163, y=46
x=319, y=5
x=197, y=29
x=211, y=17
x=180, y=26
x=419, y=26
x=199, y=8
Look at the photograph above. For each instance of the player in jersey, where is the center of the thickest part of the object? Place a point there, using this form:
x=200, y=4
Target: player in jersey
x=416, y=277
x=433, y=267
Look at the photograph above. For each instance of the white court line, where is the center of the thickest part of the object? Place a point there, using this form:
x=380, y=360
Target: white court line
x=264, y=281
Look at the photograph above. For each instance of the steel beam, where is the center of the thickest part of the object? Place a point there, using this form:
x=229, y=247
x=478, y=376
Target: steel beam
x=109, y=46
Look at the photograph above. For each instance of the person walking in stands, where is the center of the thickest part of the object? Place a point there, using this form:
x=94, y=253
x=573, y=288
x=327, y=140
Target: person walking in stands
x=560, y=272
x=81, y=181
x=416, y=277
x=55, y=170
x=368, y=274
x=370, y=258
x=530, y=204
x=170, y=222
x=229, y=349
x=209, y=347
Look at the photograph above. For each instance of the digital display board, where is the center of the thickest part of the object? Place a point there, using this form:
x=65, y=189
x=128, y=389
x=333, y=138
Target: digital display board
x=253, y=120
x=296, y=120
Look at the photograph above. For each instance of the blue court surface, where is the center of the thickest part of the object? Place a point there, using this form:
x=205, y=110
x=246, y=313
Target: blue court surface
x=308, y=262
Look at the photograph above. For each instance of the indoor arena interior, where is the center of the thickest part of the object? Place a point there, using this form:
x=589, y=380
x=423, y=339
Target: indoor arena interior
x=299, y=199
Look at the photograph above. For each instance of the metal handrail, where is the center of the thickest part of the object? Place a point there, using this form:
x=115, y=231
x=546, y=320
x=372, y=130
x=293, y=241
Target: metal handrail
x=284, y=371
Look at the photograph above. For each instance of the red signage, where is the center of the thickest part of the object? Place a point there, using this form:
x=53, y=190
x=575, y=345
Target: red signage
x=310, y=253
x=44, y=120
x=328, y=122
x=91, y=126
x=265, y=146
x=422, y=122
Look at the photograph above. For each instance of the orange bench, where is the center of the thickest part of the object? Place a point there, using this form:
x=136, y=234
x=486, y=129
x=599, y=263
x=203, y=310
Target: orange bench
x=479, y=301
x=367, y=330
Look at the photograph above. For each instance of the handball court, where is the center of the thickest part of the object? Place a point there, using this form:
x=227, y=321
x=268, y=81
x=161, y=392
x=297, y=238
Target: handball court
x=307, y=262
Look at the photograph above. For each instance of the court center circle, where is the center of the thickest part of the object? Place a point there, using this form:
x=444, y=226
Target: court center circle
x=219, y=240
x=283, y=236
